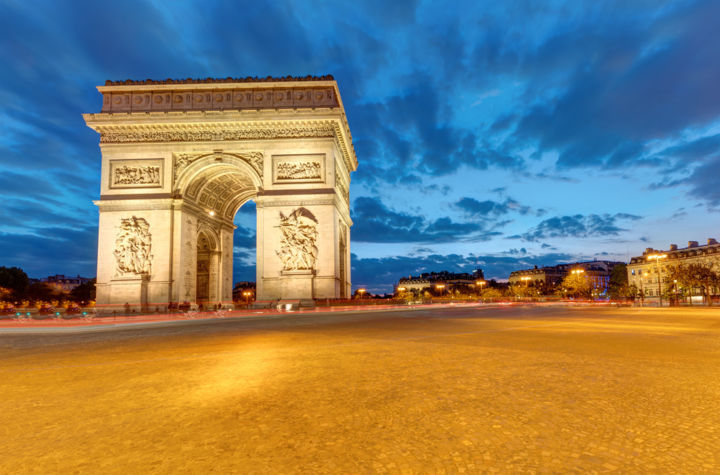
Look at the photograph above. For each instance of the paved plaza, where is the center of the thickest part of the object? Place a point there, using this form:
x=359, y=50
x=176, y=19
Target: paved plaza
x=466, y=390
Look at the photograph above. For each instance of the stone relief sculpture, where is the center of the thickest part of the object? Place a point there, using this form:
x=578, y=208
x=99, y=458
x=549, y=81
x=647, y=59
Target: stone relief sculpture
x=128, y=175
x=298, y=245
x=299, y=170
x=132, y=247
x=265, y=133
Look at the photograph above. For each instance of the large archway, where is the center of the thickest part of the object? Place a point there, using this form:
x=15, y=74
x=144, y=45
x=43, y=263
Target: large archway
x=181, y=158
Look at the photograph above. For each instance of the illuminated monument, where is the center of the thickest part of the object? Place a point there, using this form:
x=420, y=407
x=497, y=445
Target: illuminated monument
x=179, y=159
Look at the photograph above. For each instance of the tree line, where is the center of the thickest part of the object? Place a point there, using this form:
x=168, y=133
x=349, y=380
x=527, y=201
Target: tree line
x=17, y=290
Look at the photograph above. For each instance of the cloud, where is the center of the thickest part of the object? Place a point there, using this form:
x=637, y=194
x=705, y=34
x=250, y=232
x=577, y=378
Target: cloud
x=605, y=105
x=375, y=222
x=578, y=226
x=490, y=209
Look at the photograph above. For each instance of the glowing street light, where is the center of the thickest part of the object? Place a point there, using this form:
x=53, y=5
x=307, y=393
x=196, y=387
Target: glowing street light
x=656, y=258
x=440, y=287
x=361, y=291
x=578, y=271
x=247, y=294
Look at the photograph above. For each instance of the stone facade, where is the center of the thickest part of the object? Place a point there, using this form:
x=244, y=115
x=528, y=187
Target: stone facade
x=180, y=158
x=644, y=272
x=550, y=276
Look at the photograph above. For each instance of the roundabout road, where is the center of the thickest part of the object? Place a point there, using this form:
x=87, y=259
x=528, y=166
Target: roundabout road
x=515, y=389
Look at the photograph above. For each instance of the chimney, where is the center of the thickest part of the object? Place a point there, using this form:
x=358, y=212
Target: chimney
x=712, y=241
x=673, y=247
x=692, y=243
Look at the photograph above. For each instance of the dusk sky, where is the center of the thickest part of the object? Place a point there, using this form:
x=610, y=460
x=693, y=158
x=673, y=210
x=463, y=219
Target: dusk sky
x=489, y=134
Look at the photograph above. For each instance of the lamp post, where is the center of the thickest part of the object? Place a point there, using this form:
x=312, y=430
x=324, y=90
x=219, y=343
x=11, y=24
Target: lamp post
x=656, y=258
x=677, y=301
x=247, y=295
x=361, y=292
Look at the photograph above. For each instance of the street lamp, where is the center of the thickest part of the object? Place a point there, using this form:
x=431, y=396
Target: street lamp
x=247, y=294
x=361, y=292
x=656, y=258
x=440, y=287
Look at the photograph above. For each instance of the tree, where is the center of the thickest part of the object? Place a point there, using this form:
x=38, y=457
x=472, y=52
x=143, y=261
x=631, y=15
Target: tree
x=577, y=285
x=84, y=292
x=696, y=275
x=618, y=286
x=492, y=294
x=14, y=279
x=40, y=291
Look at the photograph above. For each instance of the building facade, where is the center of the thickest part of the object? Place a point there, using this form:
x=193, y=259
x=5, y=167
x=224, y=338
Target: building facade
x=648, y=273
x=551, y=276
x=62, y=283
x=431, y=280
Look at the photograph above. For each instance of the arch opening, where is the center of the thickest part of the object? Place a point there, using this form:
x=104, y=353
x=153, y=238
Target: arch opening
x=216, y=191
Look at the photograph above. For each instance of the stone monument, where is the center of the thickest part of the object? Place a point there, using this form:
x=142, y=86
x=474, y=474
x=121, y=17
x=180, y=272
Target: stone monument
x=179, y=159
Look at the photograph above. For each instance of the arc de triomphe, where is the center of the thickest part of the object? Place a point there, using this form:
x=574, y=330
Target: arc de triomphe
x=179, y=159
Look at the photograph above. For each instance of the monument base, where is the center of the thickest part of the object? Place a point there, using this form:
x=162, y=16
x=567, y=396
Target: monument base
x=123, y=295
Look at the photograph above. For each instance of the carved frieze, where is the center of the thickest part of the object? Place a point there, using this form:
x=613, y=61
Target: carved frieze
x=298, y=168
x=299, y=171
x=298, y=245
x=217, y=134
x=142, y=173
x=132, y=247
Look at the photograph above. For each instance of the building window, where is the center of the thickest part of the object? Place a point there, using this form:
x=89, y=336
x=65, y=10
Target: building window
x=632, y=272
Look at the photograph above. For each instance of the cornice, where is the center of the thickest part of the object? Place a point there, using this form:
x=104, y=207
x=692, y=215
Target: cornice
x=215, y=127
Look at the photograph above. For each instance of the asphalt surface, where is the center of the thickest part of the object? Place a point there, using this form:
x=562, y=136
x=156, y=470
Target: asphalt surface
x=468, y=390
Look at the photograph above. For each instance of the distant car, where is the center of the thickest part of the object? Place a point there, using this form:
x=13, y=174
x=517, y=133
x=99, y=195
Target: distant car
x=7, y=311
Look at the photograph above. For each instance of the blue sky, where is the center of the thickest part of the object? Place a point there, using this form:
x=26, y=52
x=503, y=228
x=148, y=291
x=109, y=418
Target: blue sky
x=492, y=134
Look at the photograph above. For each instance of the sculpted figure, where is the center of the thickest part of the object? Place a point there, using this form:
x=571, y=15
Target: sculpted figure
x=298, y=246
x=132, y=246
x=127, y=175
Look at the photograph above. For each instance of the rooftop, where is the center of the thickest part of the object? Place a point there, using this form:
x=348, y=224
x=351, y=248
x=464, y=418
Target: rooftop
x=150, y=82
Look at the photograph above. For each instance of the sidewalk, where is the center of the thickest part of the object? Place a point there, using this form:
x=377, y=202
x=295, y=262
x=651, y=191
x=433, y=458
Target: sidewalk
x=89, y=323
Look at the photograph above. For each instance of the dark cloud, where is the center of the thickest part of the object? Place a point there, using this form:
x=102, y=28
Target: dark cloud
x=490, y=209
x=375, y=222
x=703, y=182
x=626, y=87
x=578, y=226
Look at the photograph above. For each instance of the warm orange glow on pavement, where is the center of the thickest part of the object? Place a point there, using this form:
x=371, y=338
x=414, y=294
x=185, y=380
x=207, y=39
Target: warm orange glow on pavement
x=511, y=389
